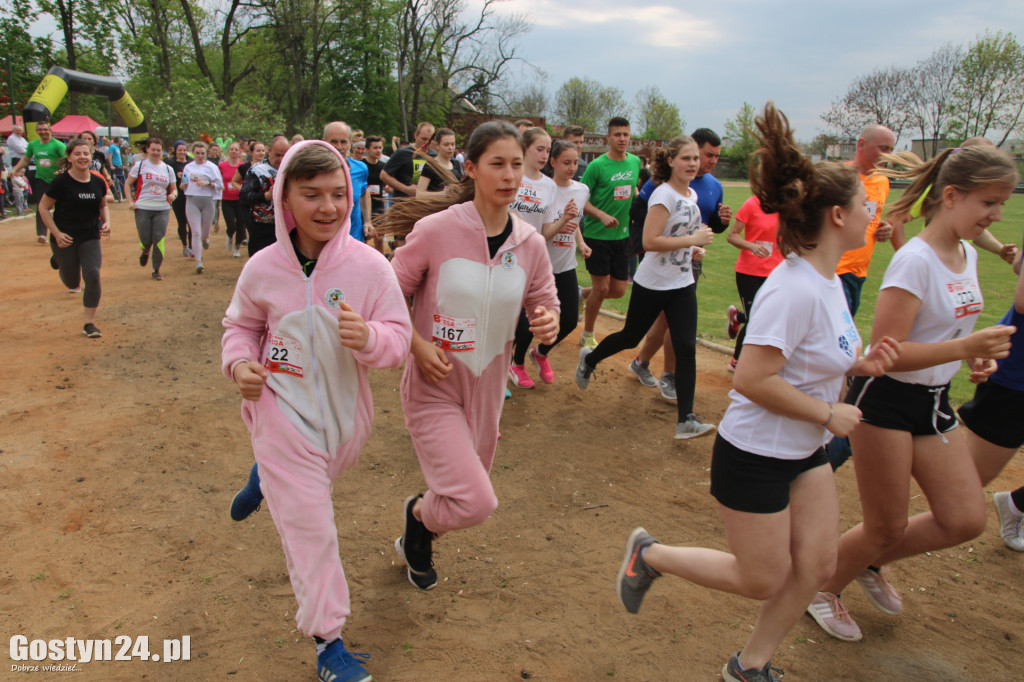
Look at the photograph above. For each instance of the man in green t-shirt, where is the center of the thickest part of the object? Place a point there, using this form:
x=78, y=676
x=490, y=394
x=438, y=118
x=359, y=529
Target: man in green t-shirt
x=46, y=153
x=612, y=179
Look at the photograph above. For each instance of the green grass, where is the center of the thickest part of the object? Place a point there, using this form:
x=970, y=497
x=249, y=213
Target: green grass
x=717, y=289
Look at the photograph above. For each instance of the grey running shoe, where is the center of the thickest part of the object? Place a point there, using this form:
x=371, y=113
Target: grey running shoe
x=642, y=372
x=415, y=546
x=635, y=576
x=1011, y=524
x=732, y=672
x=583, y=370
x=693, y=427
x=668, y=386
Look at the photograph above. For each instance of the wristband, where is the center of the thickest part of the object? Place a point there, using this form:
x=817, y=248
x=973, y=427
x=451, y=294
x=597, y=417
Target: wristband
x=831, y=413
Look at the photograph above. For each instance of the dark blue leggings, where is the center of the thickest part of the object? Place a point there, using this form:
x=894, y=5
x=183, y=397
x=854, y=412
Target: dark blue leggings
x=569, y=301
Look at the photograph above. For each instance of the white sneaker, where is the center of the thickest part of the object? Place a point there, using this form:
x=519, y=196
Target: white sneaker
x=1011, y=525
x=236, y=254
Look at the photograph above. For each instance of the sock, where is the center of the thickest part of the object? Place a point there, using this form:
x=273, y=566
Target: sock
x=668, y=375
x=876, y=569
x=642, y=364
x=1017, y=501
x=322, y=644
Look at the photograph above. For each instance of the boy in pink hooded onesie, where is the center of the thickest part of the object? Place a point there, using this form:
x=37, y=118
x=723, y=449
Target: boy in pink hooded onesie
x=467, y=302
x=315, y=411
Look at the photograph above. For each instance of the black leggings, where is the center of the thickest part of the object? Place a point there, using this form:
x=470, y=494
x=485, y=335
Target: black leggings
x=232, y=221
x=747, y=285
x=79, y=264
x=178, y=206
x=680, y=308
x=569, y=301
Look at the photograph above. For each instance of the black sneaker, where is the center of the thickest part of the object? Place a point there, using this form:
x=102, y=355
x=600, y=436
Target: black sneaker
x=416, y=549
x=143, y=258
x=91, y=331
x=53, y=263
x=635, y=576
x=732, y=672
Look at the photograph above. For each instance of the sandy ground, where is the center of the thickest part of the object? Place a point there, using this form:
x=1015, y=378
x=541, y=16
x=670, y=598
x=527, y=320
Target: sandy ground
x=121, y=455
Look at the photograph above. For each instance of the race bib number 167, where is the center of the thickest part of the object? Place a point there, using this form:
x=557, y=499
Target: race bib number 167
x=454, y=334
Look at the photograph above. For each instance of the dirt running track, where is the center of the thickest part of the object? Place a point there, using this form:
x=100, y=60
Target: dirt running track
x=120, y=456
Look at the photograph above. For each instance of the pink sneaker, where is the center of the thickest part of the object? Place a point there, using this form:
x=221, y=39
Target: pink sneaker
x=880, y=593
x=519, y=377
x=547, y=375
x=832, y=616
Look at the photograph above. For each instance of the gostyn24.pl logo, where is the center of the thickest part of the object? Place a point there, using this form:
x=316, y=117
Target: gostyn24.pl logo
x=65, y=654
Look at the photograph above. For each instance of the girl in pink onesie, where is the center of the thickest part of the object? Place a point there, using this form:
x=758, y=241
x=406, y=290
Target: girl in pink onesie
x=468, y=269
x=307, y=318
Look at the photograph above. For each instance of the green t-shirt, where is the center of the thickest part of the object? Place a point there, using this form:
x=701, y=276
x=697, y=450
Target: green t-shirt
x=612, y=187
x=46, y=157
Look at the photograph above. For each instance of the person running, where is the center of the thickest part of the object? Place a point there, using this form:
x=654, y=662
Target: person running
x=177, y=164
x=258, y=192
x=376, y=188
x=80, y=218
x=116, y=167
x=99, y=159
x=930, y=300
x=202, y=182
x=257, y=152
x=430, y=179
x=755, y=233
x=46, y=153
x=229, y=200
x=469, y=266
x=664, y=280
x=151, y=190
x=214, y=156
x=611, y=179
x=769, y=471
x=310, y=315
x=534, y=199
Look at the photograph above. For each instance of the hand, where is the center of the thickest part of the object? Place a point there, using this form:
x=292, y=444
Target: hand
x=544, y=325
x=104, y=229
x=63, y=240
x=368, y=231
x=844, y=419
x=698, y=254
x=1008, y=253
x=585, y=250
x=571, y=210
x=883, y=232
x=269, y=194
x=878, y=360
x=981, y=369
x=703, y=236
x=250, y=377
x=724, y=214
x=431, y=360
x=131, y=205
x=992, y=342
x=352, y=328
x=609, y=221
x=760, y=250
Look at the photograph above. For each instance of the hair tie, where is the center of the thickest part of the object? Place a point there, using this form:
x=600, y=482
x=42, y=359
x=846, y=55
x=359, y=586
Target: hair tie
x=915, y=208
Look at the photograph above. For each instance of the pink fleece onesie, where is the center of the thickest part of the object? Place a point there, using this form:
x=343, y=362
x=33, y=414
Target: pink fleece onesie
x=469, y=303
x=315, y=413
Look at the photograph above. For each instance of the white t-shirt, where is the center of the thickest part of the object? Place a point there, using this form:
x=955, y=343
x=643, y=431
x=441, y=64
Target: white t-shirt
x=562, y=247
x=950, y=302
x=664, y=270
x=207, y=170
x=805, y=316
x=151, y=186
x=533, y=199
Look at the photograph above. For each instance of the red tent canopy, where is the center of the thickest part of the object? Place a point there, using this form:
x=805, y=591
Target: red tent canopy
x=72, y=125
x=7, y=126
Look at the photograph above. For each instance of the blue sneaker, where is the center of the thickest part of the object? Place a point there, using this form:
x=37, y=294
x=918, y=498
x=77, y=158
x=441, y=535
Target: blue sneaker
x=248, y=499
x=336, y=664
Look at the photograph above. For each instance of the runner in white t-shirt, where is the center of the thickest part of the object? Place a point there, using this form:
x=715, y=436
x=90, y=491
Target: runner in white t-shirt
x=664, y=280
x=151, y=189
x=202, y=183
x=930, y=300
x=769, y=471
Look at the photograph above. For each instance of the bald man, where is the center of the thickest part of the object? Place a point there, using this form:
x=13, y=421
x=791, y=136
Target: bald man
x=258, y=192
x=338, y=134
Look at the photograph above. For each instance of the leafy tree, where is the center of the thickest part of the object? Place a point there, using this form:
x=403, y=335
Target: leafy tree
x=988, y=94
x=27, y=60
x=739, y=130
x=585, y=102
x=658, y=118
x=931, y=95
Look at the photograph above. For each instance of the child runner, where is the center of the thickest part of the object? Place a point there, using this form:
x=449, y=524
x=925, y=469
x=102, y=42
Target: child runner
x=769, y=471
x=754, y=233
x=229, y=199
x=151, y=199
x=534, y=199
x=80, y=217
x=930, y=301
x=664, y=279
x=468, y=269
x=309, y=315
x=202, y=183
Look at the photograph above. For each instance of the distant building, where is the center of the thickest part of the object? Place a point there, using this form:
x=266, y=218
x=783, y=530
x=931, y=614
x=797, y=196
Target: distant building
x=930, y=147
x=843, y=150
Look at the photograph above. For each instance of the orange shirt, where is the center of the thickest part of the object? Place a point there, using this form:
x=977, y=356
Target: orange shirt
x=857, y=260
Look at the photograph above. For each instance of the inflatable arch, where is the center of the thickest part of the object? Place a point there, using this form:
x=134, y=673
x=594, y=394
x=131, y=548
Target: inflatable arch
x=56, y=84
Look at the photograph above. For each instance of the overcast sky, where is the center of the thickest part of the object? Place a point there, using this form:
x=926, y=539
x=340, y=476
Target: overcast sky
x=710, y=57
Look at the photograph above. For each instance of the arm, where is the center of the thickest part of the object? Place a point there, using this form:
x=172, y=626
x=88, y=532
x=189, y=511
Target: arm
x=364, y=203
x=734, y=238
x=21, y=165
x=104, y=217
x=595, y=212
x=46, y=204
x=408, y=190
x=236, y=182
x=250, y=192
x=899, y=233
x=585, y=250
x=657, y=216
x=563, y=224
x=385, y=317
x=422, y=186
x=129, y=191
x=988, y=241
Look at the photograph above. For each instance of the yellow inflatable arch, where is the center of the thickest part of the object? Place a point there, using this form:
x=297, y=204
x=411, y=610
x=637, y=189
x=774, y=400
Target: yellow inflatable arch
x=56, y=84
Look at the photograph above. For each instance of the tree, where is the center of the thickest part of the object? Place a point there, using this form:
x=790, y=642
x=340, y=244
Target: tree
x=931, y=95
x=27, y=61
x=988, y=94
x=530, y=101
x=740, y=132
x=882, y=97
x=820, y=144
x=585, y=102
x=658, y=118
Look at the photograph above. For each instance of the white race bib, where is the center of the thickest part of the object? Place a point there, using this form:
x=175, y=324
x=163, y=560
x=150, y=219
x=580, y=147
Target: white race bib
x=284, y=355
x=966, y=297
x=623, y=193
x=454, y=334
